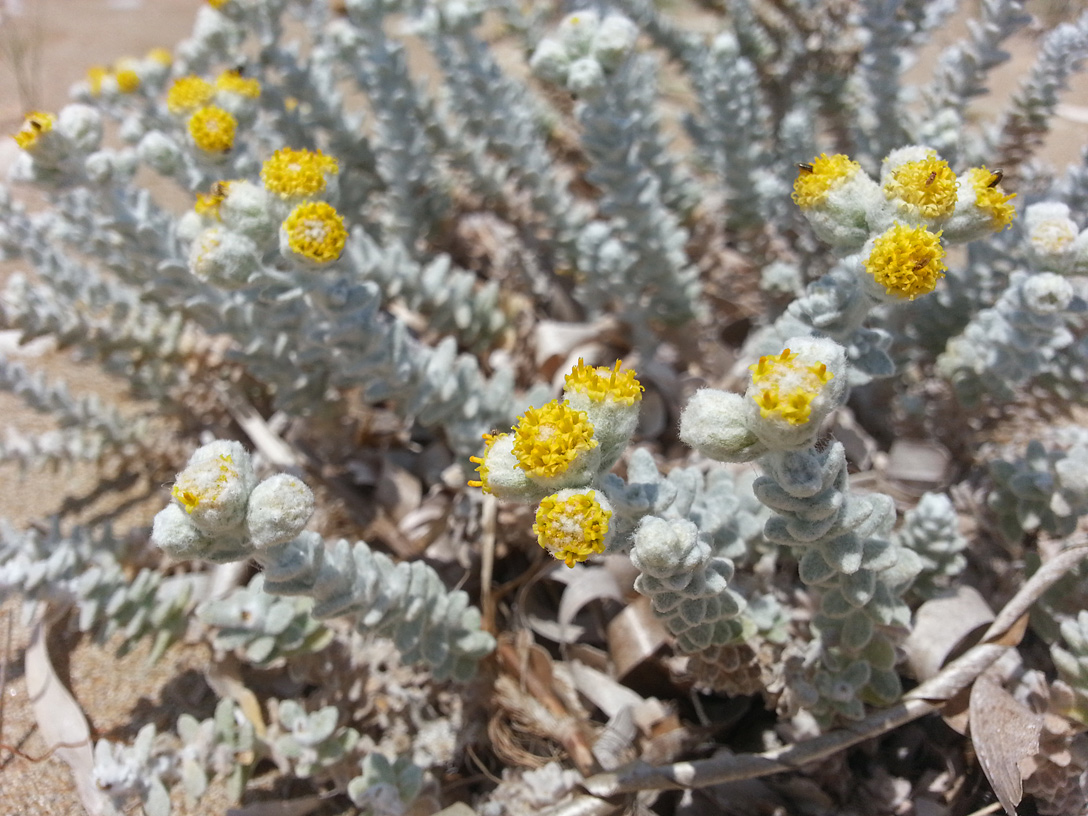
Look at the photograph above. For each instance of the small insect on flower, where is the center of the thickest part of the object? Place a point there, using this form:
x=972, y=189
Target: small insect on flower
x=35, y=125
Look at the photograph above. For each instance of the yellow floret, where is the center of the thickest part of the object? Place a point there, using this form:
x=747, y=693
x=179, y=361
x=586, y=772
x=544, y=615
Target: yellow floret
x=213, y=129
x=907, y=261
x=95, y=75
x=603, y=384
x=188, y=93
x=209, y=203
x=315, y=230
x=233, y=82
x=547, y=440
x=35, y=125
x=818, y=178
x=161, y=55
x=785, y=389
x=572, y=529
x=297, y=173
x=481, y=466
x=927, y=187
x=128, y=81
x=991, y=198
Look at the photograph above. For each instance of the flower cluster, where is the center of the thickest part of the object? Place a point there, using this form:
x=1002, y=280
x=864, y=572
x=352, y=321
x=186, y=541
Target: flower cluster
x=128, y=75
x=58, y=146
x=584, y=49
x=555, y=454
x=790, y=395
x=234, y=225
x=220, y=511
x=213, y=111
x=899, y=224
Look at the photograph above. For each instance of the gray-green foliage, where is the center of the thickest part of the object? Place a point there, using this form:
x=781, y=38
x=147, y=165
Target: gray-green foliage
x=310, y=742
x=1072, y=662
x=931, y=530
x=406, y=602
x=1018, y=338
x=719, y=501
x=1044, y=491
x=686, y=584
x=842, y=543
x=224, y=747
x=261, y=627
x=385, y=788
x=86, y=570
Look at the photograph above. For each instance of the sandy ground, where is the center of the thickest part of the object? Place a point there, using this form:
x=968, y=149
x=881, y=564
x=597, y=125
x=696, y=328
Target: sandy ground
x=74, y=34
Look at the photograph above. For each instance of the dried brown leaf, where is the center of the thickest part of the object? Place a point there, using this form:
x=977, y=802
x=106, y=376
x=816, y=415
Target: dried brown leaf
x=583, y=587
x=1005, y=733
x=398, y=490
x=634, y=636
x=923, y=463
x=611, y=697
x=941, y=625
x=61, y=721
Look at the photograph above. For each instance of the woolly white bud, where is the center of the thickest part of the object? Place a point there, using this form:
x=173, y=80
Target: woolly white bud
x=99, y=167
x=223, y=257
x=1052, y=235
x=715, y=423
x=172, y=532
x=248, y=210
x=215, y=486
x=278, y=510
x=550, y=61
x=1047, y=293
x=585, y=77
x=82, y=125
x=614, y=41
x=576, y=32
x=160, y=152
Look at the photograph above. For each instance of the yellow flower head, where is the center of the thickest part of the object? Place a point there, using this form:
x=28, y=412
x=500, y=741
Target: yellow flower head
x=208, y=204
x=906, y=261
x=822, y=175
x=128, y=81
x=95, y=75
x=233, y=82
x=927, y=187
x=784, y=388
x=481, y=464
x=213, y=129
x=188, y=93
x=297, y=173
x=602, y=384
x=549, y=439
x=315, y=230
x=35, y=125
x=162, y=56
x=217, y=4
x=990, y=198
x=572, y=525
